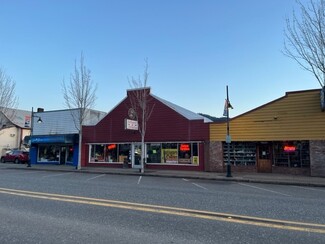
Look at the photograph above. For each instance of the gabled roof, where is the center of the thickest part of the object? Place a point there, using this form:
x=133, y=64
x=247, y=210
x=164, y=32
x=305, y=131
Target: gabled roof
x=183, y=111
x=17, y=117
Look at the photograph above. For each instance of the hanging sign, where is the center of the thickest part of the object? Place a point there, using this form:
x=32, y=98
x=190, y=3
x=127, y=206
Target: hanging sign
x=228, y=139
x=131, y=124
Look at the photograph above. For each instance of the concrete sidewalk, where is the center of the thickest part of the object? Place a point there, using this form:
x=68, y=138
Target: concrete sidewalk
x=268, y=178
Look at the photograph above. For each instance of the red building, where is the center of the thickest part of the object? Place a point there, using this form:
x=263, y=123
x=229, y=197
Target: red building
x=175, y=137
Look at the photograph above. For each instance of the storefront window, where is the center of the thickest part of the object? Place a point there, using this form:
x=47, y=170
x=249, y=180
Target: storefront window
x=154, y=153
x=184, y=153
x=173, y=153
x=111, y=153
x=291, y=154
x=169, y=153
x=241, y=153
x=124, y=152
x=195, y=154
x=48, y=153
x=97, y=153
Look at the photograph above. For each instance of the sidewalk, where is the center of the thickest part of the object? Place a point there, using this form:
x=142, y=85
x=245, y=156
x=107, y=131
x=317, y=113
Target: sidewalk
x=268, y=178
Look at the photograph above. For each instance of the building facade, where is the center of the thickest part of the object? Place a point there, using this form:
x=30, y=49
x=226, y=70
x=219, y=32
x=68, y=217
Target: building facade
x=14, y=127
x=286, y=135
x=175, y=137
x=55, y=139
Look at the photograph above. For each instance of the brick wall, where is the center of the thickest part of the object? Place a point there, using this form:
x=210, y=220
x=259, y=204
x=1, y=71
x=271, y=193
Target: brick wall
x=317, y=158
x=215, y=160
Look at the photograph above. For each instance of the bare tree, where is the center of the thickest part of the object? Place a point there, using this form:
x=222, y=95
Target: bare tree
x=139, y=99
x=79, y=93
x=8, y=99
x=304, y=38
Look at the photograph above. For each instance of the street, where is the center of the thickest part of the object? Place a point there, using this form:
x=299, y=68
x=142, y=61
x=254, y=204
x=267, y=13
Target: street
x=70, y=207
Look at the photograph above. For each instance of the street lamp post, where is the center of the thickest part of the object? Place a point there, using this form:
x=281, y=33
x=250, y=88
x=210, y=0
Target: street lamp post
x=228, y=138
x=31, y=133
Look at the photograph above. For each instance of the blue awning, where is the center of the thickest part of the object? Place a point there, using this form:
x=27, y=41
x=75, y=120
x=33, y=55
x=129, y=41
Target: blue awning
x=55, y=139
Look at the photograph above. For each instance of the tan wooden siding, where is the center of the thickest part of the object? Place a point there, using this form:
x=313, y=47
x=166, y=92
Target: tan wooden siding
x=296, y=116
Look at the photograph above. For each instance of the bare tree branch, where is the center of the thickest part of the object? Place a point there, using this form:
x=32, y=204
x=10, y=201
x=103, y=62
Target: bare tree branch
x=79, y=93
x=140, y=100
x=8, y=99
x=304, y=38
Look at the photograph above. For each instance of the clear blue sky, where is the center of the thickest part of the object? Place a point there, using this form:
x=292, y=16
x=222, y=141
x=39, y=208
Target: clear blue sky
x=195, y=48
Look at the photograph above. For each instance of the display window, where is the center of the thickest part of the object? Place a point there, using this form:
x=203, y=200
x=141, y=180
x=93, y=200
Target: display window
x=48, y=153
x=164, y=153
x=291, y=154
x=169, y=153
x=109, y=153
x=97, y=153
x=240, y=153
x=173, y=153
x=124, y=151
x=154, y=153
x=184, y=153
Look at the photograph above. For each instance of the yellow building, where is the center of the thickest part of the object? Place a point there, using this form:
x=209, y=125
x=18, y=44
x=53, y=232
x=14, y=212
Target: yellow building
x=286, y=135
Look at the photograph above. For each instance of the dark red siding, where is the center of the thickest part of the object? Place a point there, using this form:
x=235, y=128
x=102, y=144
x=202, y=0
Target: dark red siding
x=164, y=125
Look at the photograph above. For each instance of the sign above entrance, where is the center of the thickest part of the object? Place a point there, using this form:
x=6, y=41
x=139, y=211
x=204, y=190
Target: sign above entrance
x=131, y=124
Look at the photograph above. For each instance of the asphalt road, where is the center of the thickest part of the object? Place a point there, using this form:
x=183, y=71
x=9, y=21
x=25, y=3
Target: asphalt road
x=67, y=207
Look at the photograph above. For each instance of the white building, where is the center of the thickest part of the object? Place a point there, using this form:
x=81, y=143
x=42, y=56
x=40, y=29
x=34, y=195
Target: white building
x=14, y=126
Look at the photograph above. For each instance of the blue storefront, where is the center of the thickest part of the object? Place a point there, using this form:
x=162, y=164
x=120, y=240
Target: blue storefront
x=55, y=149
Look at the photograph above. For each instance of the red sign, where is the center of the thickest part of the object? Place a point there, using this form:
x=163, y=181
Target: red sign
x=111, y=146
x=184, y=147
x=289, y=148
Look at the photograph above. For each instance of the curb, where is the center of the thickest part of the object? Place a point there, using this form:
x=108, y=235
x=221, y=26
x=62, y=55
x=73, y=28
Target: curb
x=166, y=175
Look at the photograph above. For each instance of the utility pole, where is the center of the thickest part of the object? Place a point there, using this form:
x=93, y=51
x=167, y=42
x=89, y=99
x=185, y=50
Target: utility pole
x=228, y=138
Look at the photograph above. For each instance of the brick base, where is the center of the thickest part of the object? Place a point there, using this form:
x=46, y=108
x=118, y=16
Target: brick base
x=215, y=163
x=317, y=158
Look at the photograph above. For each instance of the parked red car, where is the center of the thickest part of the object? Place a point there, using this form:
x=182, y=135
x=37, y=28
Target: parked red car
x=16, y=156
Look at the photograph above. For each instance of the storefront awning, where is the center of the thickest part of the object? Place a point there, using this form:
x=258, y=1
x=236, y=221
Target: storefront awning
x=54, y=139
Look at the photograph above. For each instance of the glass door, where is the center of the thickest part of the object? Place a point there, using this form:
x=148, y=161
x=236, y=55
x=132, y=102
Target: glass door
x=136, y=155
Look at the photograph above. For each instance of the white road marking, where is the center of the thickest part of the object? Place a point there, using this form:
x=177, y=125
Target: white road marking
x=139, y=180
x=95, y=177
x=263, y=189
x=197, y=185
x=47, y=176
x=185, y=179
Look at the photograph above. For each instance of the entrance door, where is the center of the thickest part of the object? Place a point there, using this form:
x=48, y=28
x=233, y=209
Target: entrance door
x=264, y=161
x=136, y=155
x=63, y=155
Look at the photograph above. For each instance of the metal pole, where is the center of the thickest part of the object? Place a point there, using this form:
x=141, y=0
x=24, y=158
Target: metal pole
x=30, y=137
x=228, y=138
